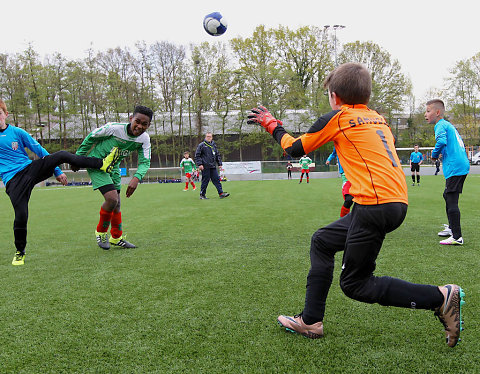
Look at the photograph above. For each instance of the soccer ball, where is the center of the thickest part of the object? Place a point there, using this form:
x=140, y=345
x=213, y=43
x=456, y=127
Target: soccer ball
x=215, y=24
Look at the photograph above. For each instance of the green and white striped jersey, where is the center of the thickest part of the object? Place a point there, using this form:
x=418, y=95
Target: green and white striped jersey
x=100, y=142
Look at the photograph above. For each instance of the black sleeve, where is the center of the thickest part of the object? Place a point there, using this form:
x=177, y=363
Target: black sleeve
x=322, y=122
x=218, y=156
x=296, y=150
x=198, y=155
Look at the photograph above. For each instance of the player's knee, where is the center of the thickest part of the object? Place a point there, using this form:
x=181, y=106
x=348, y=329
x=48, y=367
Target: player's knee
x=62, y=153
x=350, y=288
x=111, y=202
x=318, y=243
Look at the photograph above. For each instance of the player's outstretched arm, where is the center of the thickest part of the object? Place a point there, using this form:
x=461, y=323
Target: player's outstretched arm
x=261, y=116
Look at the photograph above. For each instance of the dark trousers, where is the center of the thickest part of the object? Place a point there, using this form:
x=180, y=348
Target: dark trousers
x=453, y=189
x=20, y=187
x=360, y=235
x=207, y=175
x=289, y=174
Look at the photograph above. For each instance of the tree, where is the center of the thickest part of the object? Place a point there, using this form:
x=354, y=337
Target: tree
x=462, y=92
x=168, y=65
x=389, y=85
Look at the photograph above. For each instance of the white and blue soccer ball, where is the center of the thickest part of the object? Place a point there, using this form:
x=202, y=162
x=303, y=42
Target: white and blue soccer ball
x=215, y=24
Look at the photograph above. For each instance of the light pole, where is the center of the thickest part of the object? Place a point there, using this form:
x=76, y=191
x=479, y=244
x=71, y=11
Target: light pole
x=335, y=28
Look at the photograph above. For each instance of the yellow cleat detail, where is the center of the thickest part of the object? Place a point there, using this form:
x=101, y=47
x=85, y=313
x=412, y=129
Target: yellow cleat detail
x=110, y=161
x=18, y=259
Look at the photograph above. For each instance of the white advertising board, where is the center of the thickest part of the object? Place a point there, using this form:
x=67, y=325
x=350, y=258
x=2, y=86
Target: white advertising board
x=245, y=167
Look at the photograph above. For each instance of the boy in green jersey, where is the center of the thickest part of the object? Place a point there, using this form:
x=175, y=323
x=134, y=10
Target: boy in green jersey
x=128, y=137
x=188, y=166
x=305, y=161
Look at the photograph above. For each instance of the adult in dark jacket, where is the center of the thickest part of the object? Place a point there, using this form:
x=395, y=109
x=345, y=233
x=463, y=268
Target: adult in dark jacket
x=206, y=158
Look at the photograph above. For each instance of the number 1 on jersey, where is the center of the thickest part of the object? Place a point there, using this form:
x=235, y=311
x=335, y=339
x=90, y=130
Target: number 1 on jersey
x=387, y=148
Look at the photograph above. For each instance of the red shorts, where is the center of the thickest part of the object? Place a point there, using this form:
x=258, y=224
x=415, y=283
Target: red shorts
x=188, y=175
x=346, y=189
x=305, y=171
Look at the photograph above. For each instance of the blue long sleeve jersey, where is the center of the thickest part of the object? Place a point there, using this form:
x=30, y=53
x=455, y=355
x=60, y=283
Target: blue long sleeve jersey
x=450, y=145
x=334, y=155
x=13, y=157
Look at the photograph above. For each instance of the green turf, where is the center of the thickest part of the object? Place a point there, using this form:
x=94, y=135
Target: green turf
x=202, y=292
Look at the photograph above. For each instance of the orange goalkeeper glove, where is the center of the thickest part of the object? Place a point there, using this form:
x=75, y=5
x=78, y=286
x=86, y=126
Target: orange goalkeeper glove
x=261, y=116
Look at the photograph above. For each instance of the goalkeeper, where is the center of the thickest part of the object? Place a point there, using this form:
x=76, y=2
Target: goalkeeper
x=365, y=147
x=128, y=137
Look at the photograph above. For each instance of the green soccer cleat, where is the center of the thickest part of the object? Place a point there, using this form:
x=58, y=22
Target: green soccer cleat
x=102, y=240
x=121, y=242
x=19, y=258
x=110, y=160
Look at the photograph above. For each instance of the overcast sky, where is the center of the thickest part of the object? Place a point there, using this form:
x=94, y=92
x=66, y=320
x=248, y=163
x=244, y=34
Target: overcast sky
x=427, y=37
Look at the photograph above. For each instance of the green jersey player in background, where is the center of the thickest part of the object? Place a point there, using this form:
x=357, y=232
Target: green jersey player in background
x=305, y=162
x=188, y=166
x=128, y=137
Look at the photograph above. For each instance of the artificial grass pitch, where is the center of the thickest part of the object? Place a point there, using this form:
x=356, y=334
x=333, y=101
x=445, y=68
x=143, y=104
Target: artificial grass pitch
x=202, y=291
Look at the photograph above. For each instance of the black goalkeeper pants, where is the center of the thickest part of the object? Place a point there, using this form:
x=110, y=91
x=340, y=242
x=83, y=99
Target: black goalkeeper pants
x=360, y=235
x=20, y=187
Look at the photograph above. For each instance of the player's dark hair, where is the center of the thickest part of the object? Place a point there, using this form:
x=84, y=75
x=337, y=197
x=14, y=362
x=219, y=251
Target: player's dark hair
x=351, y=82
x=437, y=102
x=143, y=110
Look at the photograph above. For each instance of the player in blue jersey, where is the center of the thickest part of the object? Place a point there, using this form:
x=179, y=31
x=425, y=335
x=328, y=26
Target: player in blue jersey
x=416, y=159
x=20, y=174
x=456, y=166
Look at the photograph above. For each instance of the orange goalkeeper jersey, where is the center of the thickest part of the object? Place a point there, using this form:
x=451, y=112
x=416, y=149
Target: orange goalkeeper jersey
x=365, y=148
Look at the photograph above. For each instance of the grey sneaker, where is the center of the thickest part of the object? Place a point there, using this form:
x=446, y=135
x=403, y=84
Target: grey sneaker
x=447, y=231
x=121, y=242
x=102, y=240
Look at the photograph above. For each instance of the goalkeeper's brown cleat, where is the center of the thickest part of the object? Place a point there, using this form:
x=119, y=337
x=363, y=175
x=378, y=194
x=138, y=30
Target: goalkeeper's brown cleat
x=295, y=324
x=450, y=312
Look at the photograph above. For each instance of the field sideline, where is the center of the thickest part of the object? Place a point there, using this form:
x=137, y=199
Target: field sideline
x=202, y=292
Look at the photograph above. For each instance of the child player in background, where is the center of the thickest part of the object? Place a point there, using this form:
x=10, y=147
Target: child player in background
x=347, y=198
x=305, y=161
x=188, y=166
